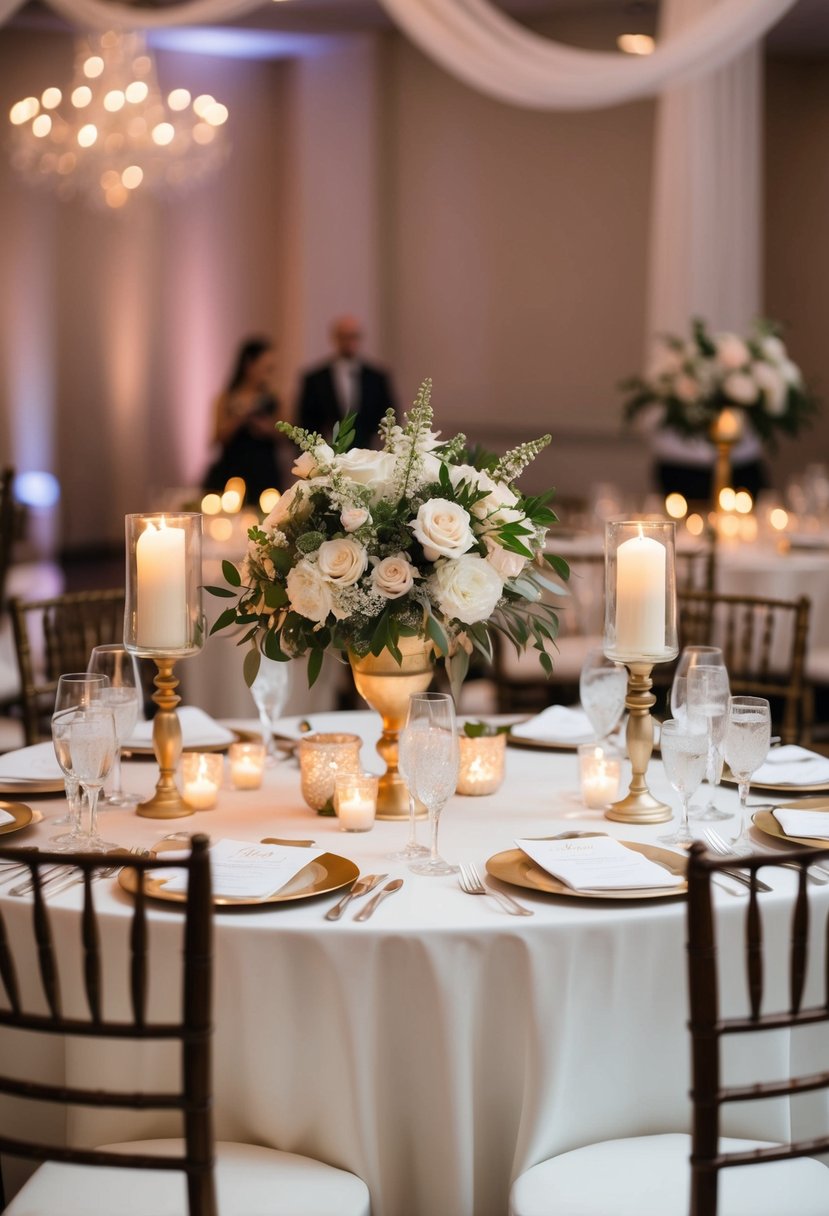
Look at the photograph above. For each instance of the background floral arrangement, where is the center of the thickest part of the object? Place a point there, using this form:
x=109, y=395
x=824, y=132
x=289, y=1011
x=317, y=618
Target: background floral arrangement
x=366, y=547
x=694, y=379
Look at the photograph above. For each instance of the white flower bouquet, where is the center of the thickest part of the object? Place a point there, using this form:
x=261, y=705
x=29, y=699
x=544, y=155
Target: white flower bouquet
x=411, y=540
x=694, y=379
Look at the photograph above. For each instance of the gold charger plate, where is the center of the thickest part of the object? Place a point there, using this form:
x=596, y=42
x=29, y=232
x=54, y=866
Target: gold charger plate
x=778, y=787
x=766, y=823
x=327, y=873
x=50, y=785
x=23, y=816
x=240, y=736
x=515, y=867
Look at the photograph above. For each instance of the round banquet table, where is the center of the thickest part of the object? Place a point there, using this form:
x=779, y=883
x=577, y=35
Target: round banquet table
x=442, y=1047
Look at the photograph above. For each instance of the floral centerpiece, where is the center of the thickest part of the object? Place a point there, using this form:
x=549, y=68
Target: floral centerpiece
x=694, y=379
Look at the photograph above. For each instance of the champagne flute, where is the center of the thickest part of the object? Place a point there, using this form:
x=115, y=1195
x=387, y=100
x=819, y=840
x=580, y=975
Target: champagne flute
x=75, y=688
x=692, y=656
x=684, y=747
x=404, y=767
x=270, y=692
x=433, y=761
x=707, y=698
x=602, y=690
x=123, y=698
x=747, y=740
x=92, y=743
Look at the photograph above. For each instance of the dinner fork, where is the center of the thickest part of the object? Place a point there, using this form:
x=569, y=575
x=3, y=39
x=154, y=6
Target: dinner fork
x=471, y=884
x=724, y=849
x=69, y=876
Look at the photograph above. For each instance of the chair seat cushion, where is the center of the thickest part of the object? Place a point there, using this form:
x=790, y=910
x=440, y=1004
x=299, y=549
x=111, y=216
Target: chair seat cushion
x=651, y=1176
x=250, y=1181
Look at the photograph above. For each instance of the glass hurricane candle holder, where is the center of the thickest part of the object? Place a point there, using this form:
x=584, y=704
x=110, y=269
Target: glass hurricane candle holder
x=164, y=614
x=599, y=773
x=355, y=801
x=247, y=765
x=482, y=763
x=323, y=758
x=202, y=778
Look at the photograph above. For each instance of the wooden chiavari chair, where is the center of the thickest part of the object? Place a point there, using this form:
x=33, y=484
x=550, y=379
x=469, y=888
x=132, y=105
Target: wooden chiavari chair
x=7, y=528
x=764, y=647
x=679, y=1174
x=222, y=1179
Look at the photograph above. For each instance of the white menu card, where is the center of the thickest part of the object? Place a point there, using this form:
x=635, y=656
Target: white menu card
x=244, y=869
x=598, y=863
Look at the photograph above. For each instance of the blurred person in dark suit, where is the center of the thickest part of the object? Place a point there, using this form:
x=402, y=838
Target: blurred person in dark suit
x=343, y=385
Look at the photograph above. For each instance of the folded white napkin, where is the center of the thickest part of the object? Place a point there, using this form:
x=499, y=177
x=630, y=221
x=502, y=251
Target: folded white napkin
x=598, y=863
x=244, y=869
x=792, y=765
x=198, y=729
x=557, y=724
x=813, y=825
x=37, y=763
x=5, y=818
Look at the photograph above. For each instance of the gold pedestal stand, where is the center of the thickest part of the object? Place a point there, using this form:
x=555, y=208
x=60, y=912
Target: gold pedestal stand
x=639, y=805
x=166, y=802
x=722, y=470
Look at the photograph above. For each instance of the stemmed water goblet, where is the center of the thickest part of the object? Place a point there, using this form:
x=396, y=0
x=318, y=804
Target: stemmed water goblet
x=692, y=656
x=404, y=766
x=432, y=761
x=75, y=688
x=707, y=697
x=123, y=699
x=92, y=744
x=602, y=690
x=684, y=747
x=747, y=740
x=270, y=693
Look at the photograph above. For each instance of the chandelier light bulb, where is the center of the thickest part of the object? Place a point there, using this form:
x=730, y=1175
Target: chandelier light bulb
x=132, y=177
x=179, y=99
x=136, y=92
x=93, y=67
x=87, y=135
x=203, y=103
x=81, y=96
x=50, y=98
x=163, y=134
x=41, y=126
x=114, y=100
x=23, y=110
x=216, y=114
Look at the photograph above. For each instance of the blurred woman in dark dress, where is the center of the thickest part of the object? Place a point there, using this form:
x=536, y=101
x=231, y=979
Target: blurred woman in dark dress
x=245, y=415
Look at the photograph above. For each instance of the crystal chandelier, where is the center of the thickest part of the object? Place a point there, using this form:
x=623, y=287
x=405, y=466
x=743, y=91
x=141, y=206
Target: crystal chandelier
x=113, y=134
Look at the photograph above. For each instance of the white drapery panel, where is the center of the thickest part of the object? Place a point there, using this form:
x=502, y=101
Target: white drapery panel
x=705, y=239
x=492, y=53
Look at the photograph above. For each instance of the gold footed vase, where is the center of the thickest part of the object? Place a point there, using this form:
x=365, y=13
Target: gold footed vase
x=386, y=687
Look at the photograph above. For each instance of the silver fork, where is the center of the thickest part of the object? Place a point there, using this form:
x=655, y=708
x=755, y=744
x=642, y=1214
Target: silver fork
x=721, y=846
x=71, y=877
x=471, y=884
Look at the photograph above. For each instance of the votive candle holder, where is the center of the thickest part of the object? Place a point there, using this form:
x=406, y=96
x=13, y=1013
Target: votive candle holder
x=482, y=763
x=355, y=801
x=202, y=779
x=322, y=758
x=247, y=765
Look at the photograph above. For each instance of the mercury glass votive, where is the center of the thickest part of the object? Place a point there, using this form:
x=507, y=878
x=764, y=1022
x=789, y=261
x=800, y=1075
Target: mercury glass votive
x=322, y=758
x=247, y=765
x=482, y=763
x=202, y=779
x=355, y=801
x=599, y=773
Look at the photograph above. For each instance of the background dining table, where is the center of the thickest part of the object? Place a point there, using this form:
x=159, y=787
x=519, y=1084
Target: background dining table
x=442, y=1047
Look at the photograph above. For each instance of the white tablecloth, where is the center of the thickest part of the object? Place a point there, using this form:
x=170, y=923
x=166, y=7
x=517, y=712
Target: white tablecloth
x=762, y=571
x=442, y=1047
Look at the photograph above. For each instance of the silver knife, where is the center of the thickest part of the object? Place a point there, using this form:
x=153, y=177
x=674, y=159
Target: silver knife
x=388, y=889
x=361, y=887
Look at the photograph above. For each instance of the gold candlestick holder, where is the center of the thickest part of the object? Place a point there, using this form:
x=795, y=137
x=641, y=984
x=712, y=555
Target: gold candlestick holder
x=166, y=802
x=639, y=804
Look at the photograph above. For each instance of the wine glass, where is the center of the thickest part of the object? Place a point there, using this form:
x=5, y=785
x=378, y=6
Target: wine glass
x=75, y=688
x=404, y=767
x=602, y=690
x=270, y=692
x=747, y=740
x=692, y=656
x=123, y=698
x=92, y=745
x=684, y=746
x=707, y=697
x=433, y=761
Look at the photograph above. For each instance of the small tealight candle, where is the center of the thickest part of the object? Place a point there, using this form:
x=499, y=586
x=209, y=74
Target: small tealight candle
x=247, y=765
x=600, y=773
x=355, y=801
x=482, y=763
x=202, y=773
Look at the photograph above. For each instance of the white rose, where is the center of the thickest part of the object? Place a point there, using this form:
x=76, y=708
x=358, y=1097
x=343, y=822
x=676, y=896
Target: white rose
x=367, y=468
x=732, y=351
x=342, y=560
x=774, y=349
x=740, y=387
x=665, y=361
x=499, y=505
x=791, y=372
x=291, y=503
x=431, y=467
x=354, y=517
x=394, y=576
x=467, y=589
x=308, y=593
x=686, y=388
x=442, y=527
x=773, y=387
x=504, y=563
x=309, y=464
x=463, y=472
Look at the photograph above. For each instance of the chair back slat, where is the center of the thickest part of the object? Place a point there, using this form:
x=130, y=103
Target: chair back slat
x=800, y=942
x=91, y=949
x=138, y=954
x=45, y=947
x=8, y=972
x=7, y=520
x=754, y=950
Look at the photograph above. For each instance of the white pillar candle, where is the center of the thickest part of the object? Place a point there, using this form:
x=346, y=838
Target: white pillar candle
x=161, y=592
x=640, y=597
x=356, y=813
